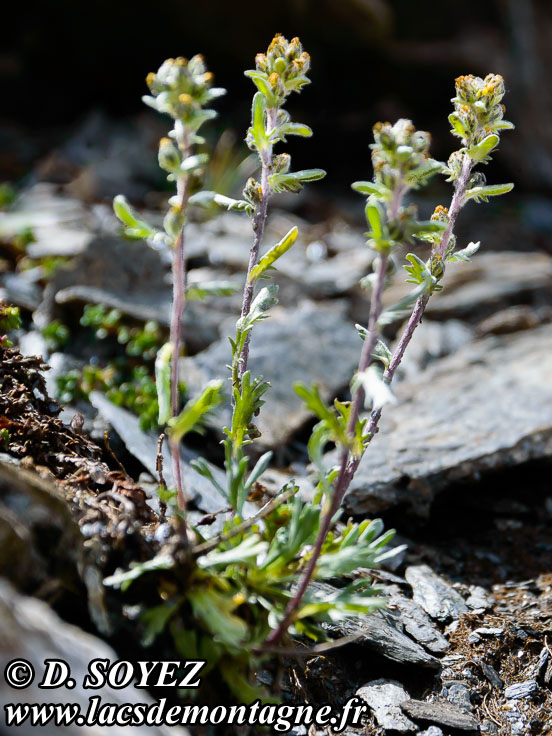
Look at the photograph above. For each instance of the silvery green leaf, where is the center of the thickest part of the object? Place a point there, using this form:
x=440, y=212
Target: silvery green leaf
x=503, y=125
x=135, y=226
x=260, y=466
x=390, y=553
x=293, y=181
x=273, y=254
x=378, y=392
x=214, y=610
x=362, y=331
x=427, y=229
x=382, y=353
x=149, y=101
x=201, y=467
x=159, y=240
x=194, y=162
x=310, y=174
x=206, y=198
x=251, y=547
x=215, y=92
x=257, y=129
x=315, y=403
x=199, y=292
x=458, y=127
x=418, y=270
x=374, y=216
x=481, y=194
x=265, y=300
x=464, y=254
x=419, y=176
x=259, y=79
x=163, y=381
x=371, y=187
x=291, y=129
x=480, y=151
x=124, y=578
x=297, y=82
x=193, y=415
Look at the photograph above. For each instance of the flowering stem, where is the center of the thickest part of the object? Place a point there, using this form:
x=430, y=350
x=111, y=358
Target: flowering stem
x=344, y=476
x=458, y=200
x=259, y=221
x=179, y=279
x=349, y=464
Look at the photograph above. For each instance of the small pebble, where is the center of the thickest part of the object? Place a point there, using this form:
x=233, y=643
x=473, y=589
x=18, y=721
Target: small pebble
x=490, y=631
x=491, y=675
x=459, y=695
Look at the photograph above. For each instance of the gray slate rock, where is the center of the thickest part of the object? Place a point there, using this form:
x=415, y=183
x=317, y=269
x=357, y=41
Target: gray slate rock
x=384, y=698
x=417, y=623
x=479, y=599
x=30, y=630
x=458, y=694
x=441, y=712
x=314, y=343
x=490, y=282
x=434, y=594
x=62, y=226
x=20, y=290
x=521, y=690
x=129, y=276
x=487, y=406
x=143, y=445
x=382, y=632
x=432, y=341
x=492, y=675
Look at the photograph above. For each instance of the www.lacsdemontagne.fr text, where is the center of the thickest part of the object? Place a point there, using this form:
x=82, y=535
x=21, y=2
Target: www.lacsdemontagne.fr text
x=279, y=717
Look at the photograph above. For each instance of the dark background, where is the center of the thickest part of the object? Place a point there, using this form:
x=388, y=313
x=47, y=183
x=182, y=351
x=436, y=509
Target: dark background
x=63, y=62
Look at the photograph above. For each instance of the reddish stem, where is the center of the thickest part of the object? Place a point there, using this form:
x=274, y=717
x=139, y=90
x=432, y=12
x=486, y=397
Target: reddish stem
x=343, y=479
x=179, y=278
x=259, y=221
x=348, y=464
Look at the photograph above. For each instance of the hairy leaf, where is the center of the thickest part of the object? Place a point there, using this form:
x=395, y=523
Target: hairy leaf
x=273, y=254
x=480, y=151
x=194, y=414
x=207, y=198
x=371, y=187
x=163, y=381
x=482, y=193
x=465, y=254
x=135, y=227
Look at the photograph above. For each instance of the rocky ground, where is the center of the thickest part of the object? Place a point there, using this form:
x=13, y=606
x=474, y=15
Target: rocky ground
x=460, y=466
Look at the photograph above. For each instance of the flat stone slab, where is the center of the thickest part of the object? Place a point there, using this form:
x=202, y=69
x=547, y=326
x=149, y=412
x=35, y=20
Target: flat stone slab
x=313, y=343
x=434, y=594
x=417, y=622
x=521, y=690
x=384, y=698
x=61, y=225
x=441, y=712
x=31, y=631
x=143, y=445
x=491, y=281
x=488, y=406
x=382, y=632
x=132, y=277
